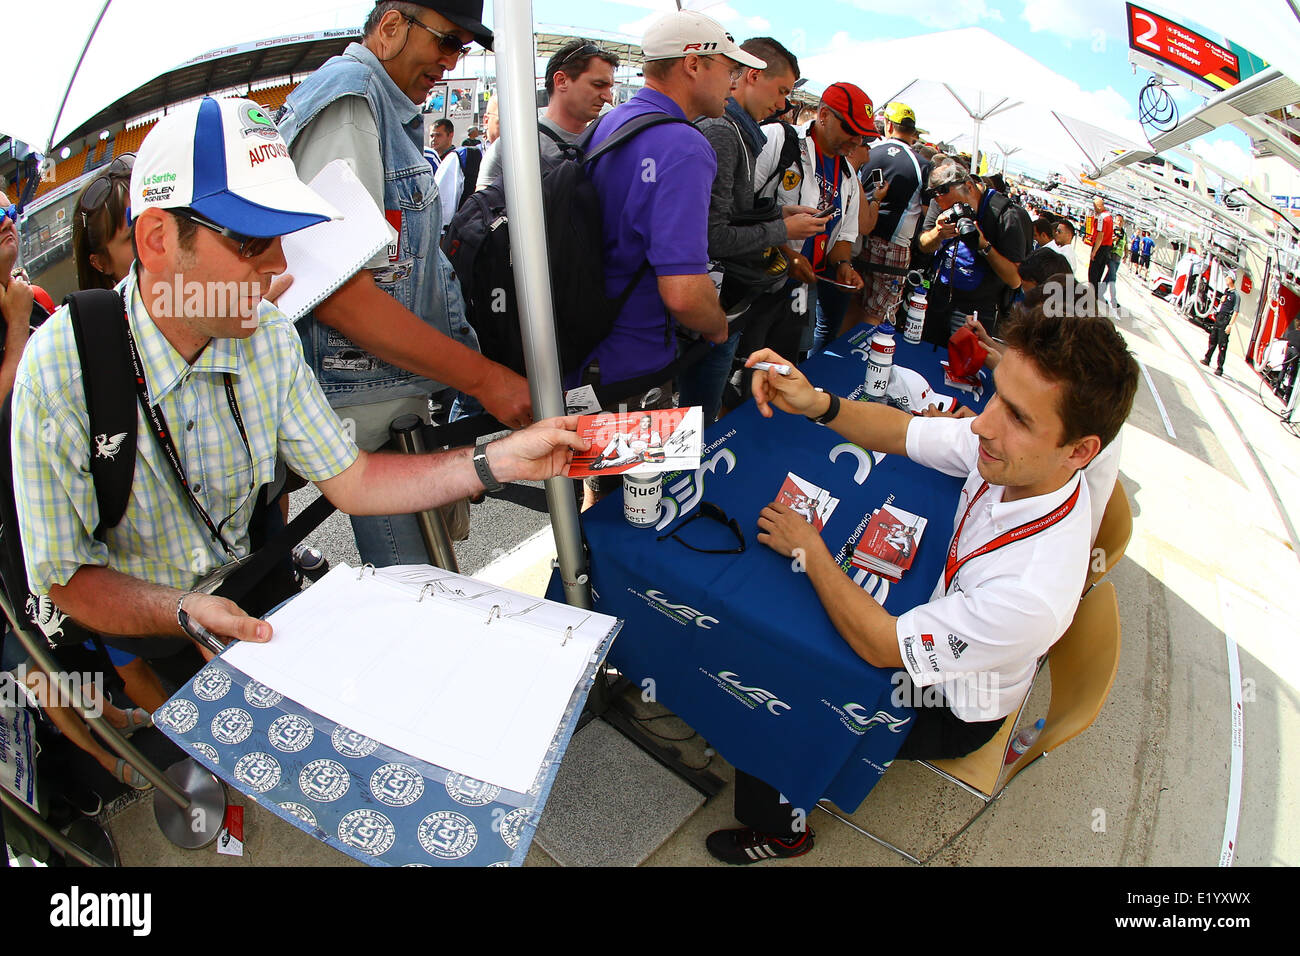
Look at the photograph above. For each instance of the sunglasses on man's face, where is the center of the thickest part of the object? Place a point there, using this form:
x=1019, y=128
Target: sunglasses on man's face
x=736, y=70
x=713, y=513
x=844, y=125
x=250, y=247
x=448, y=43
x=9, y=212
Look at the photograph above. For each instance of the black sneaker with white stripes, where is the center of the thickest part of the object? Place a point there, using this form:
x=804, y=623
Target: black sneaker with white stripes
x=746, y=845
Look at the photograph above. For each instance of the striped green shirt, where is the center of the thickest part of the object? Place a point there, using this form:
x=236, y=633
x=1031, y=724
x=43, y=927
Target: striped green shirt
x=161, y=537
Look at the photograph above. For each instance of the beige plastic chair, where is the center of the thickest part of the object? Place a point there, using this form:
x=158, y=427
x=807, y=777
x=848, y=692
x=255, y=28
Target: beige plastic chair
x=1083, y=664
x=1114, y=534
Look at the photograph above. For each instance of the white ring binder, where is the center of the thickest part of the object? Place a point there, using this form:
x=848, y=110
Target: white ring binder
x=494, y=601
x=362, y=570
x=474, y=625
x=522, y=611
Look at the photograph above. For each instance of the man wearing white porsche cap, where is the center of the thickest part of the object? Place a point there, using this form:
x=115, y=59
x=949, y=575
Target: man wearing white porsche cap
x=224, y=391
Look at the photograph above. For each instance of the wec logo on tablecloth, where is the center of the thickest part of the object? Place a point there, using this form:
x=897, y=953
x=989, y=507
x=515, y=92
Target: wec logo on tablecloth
x=860, y=719
x=683, y=614
x=751, y=697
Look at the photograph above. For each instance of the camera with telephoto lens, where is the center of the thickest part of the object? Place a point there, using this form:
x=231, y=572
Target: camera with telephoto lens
x=962, y=216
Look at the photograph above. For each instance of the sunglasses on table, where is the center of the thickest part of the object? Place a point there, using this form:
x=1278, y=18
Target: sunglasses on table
x=250, y=247
x=447, y=42
x=713, y=513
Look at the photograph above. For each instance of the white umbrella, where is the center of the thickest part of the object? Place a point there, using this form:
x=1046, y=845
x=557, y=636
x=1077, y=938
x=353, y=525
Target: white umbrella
x=115, y=46
x=1014, y=92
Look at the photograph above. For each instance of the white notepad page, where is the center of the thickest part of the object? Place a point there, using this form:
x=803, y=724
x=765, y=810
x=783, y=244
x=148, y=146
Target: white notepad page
x=324, y=256
x=421, y=669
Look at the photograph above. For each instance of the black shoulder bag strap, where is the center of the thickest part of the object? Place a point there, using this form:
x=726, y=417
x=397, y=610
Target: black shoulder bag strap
x=625, y=132
x=547, y=131
x=788, y=153
x=100, y=332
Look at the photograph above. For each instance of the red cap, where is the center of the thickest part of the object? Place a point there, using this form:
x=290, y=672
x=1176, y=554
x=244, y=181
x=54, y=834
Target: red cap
x=853, y=105
x=965, y=355
x=43, y=297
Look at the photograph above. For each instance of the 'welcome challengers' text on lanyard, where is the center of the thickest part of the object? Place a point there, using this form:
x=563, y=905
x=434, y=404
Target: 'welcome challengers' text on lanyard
x=953, y=564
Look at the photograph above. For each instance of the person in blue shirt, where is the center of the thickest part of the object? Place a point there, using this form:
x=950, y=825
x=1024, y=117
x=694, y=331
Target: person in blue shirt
x=1148, y=245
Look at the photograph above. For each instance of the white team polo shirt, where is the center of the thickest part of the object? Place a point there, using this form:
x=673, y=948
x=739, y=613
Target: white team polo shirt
x=981, y=635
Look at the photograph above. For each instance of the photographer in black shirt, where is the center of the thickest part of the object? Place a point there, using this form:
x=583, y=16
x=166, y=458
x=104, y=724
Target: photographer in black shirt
x=978, y=238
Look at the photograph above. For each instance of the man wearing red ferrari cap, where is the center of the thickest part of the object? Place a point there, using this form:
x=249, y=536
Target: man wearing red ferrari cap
x=822, y=178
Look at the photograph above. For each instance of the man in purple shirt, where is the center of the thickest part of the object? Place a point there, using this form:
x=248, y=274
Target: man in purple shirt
x=654, y=193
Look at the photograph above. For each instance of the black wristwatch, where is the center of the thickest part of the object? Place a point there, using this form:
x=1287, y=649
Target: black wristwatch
x=482, y=469
x=831, y=411
x=984, y=249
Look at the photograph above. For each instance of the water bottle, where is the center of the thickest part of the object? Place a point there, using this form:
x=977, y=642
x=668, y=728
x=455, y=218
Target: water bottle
x=642, y=498
x=879, y=362
x=1024, y=740
x=915, y=316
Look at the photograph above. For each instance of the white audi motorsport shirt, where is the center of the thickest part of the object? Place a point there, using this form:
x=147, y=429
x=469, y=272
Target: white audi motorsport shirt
x=983, y=630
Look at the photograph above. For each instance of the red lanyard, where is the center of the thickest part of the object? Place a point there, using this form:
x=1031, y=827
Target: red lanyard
x=953, y=564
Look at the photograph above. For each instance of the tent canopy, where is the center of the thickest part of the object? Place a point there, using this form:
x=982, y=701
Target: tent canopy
x=137, y=41
x=891, y=69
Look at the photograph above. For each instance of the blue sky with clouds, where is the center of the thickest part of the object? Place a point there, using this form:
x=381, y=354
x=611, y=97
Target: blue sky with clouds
x=1084, y=40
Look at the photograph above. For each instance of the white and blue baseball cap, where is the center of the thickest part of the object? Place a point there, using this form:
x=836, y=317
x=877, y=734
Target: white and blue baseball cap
x=225, y=160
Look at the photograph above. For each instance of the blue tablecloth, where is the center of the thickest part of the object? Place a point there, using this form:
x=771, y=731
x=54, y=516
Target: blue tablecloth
x=739, y=645
x=363, y=798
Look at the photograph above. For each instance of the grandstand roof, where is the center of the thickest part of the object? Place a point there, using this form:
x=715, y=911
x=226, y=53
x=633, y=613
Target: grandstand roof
x=230, y=68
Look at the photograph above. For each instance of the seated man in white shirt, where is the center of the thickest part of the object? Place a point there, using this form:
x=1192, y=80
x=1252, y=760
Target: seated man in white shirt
x=1103, y=471
x=1016, y=563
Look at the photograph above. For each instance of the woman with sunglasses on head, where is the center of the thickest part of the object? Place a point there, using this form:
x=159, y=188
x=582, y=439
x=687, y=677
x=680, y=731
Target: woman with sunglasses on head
x=101, y=238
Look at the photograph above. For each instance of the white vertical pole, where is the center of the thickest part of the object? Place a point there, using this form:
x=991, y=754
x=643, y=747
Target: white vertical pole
x=516, y=90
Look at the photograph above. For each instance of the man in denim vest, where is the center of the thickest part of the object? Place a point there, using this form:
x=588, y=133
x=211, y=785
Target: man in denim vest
x=396, y=332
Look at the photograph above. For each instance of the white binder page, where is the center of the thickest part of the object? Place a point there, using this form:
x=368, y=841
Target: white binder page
x=421, y=669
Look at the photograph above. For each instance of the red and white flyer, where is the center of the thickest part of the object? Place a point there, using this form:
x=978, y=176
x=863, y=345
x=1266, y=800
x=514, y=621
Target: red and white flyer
x=639, y=443
x=889, y=543
x=805, y=499
x=231, y=839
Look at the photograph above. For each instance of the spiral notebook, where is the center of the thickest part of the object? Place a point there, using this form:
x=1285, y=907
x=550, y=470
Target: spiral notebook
x=324, y=256
x=454, y=671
